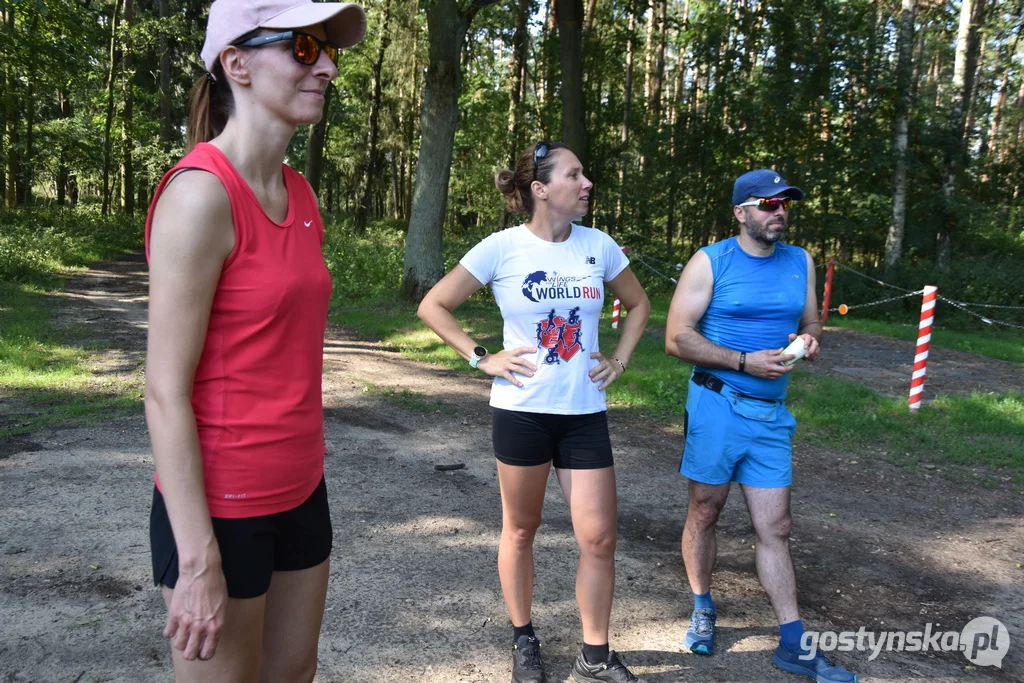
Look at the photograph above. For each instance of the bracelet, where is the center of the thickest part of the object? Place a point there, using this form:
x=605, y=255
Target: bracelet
x=620, y=363
x=743, y=361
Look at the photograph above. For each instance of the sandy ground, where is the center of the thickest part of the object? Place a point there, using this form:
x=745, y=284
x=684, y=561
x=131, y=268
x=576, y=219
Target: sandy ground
x=414, y=593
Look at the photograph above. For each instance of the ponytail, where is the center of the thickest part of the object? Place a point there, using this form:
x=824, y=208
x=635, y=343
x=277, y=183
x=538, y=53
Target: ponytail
x=209, y=105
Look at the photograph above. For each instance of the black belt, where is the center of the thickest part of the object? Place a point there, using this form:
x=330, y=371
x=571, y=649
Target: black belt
x=709, y=381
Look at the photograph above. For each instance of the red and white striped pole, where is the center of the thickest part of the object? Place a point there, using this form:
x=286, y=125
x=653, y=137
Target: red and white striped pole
x=924, y=338
x=617, y=305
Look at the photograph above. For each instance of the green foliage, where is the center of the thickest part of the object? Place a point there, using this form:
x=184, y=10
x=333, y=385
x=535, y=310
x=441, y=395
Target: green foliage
x=39, y=244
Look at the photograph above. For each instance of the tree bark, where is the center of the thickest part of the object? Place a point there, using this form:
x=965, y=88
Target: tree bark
x=111, y=74
x=520, y=41
x=904, y=48
x=569, y=14
x=315, y=147
x=374, y=166
x=166, y=125
x=627, y=106
x=992, y=145
x=127, y=133
x=447, y=25
x=972, y=14
x=11, y=120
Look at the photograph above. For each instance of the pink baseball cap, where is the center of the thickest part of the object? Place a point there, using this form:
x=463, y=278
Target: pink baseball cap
x=229, y=20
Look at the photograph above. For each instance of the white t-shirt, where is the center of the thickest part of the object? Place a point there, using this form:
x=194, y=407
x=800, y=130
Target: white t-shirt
x=550, y=295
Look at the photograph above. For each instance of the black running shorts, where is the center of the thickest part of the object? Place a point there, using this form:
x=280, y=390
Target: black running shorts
x=572, y=442
x=252, y=548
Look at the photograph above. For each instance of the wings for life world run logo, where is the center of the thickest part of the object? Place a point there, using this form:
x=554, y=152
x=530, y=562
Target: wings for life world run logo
x=538, y=286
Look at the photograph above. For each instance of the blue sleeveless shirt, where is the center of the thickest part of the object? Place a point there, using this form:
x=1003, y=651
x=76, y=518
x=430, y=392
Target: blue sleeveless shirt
x=756, y=304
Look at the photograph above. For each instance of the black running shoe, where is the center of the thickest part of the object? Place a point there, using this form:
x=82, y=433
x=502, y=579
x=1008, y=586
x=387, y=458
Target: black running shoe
x=611, y=671
x=526, y=664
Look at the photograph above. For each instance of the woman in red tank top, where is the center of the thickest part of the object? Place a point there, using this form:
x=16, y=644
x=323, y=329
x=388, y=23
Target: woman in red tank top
x=240, y=527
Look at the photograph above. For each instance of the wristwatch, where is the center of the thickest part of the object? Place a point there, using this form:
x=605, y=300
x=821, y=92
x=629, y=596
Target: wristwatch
x=478, y=355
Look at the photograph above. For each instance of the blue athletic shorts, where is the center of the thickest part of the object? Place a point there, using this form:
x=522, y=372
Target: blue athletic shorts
x=729, y=438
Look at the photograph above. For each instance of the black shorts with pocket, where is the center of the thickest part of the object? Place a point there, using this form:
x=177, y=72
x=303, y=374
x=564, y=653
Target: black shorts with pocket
x=251, y=548
x=572, y=442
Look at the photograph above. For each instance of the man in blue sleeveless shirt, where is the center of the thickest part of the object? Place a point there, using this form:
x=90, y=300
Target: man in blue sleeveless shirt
x=738, y=304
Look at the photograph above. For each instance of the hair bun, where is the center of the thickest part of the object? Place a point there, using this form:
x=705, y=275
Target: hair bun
x=505, y=181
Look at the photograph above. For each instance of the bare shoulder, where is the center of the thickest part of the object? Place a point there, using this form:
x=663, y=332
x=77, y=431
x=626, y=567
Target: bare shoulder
x=193, y=214
x=698, y=269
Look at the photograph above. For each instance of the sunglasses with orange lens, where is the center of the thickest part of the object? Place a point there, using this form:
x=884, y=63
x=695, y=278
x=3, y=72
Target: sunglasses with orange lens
x=306, y=48
x=769, y=205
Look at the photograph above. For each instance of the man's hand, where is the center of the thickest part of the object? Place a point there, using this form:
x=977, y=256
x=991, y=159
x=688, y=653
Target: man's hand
x=811, y=346
x=767, y=364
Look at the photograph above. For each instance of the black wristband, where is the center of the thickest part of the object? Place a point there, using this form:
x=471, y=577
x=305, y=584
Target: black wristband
x=743, y=361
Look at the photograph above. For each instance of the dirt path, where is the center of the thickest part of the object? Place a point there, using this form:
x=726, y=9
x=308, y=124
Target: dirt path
x=414, y=593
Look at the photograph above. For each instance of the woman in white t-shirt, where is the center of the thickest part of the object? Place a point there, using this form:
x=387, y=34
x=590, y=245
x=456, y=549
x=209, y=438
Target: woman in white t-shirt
x=548, y=277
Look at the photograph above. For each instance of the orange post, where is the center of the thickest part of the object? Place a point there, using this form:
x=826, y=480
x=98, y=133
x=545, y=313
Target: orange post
x=827, y=296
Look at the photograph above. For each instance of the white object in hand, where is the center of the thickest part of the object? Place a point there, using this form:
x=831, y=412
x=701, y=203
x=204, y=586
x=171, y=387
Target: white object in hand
x=796, y=349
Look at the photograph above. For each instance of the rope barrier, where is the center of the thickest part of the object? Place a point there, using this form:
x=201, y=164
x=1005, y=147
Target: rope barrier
x=987, y=321
x=843, y=308
x=655, y=270
x=967, y=303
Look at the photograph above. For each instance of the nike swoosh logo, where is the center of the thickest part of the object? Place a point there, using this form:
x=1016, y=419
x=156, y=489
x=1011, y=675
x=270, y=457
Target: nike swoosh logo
x=307, y=223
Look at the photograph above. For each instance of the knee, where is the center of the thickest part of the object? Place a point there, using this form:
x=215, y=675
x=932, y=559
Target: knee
x=703, y=514
x=522, y=532
x=600, y=545
x=776, y=529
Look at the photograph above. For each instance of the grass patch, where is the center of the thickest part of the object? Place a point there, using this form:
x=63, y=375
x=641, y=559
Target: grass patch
x=410, y=400
x=48, y=376
x=994, y=342
x=45, y=373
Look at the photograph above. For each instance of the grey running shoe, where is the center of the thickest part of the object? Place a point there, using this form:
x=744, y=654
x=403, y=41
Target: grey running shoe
x=611, y=671
x=700, y=637
x=526, y=664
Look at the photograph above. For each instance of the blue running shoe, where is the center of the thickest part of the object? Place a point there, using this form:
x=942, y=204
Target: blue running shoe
x=818, y=668
x=700, y=637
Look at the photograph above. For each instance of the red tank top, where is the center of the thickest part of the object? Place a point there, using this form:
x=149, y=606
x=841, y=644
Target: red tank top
x=257, y=389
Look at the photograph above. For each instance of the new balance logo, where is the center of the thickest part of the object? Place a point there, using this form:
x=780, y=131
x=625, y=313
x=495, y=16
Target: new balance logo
x=591, y=260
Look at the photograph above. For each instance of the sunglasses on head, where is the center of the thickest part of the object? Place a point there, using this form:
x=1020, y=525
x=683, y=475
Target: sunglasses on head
x=769, y=205
x=540, y=150
x=306, y=48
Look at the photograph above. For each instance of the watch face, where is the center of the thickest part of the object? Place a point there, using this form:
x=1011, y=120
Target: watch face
x=480, y=352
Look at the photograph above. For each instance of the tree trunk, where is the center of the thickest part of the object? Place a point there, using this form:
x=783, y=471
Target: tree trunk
x=627, y=105
x=63, y=172
x=315, y=146
x=904, y=48
x=447, y=25
x=374, y=166
x=11, y=120
x=519, y=63
x=972, y=13
x=127, y=134
x=166, y=125
x=992, y=145
x=111, y=74
x=569, y=14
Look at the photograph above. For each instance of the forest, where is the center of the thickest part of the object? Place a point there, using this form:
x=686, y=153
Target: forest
x=902, y=120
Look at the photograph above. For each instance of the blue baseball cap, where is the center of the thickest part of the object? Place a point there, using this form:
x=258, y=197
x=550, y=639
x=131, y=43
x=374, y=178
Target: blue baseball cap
x=763, y=182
